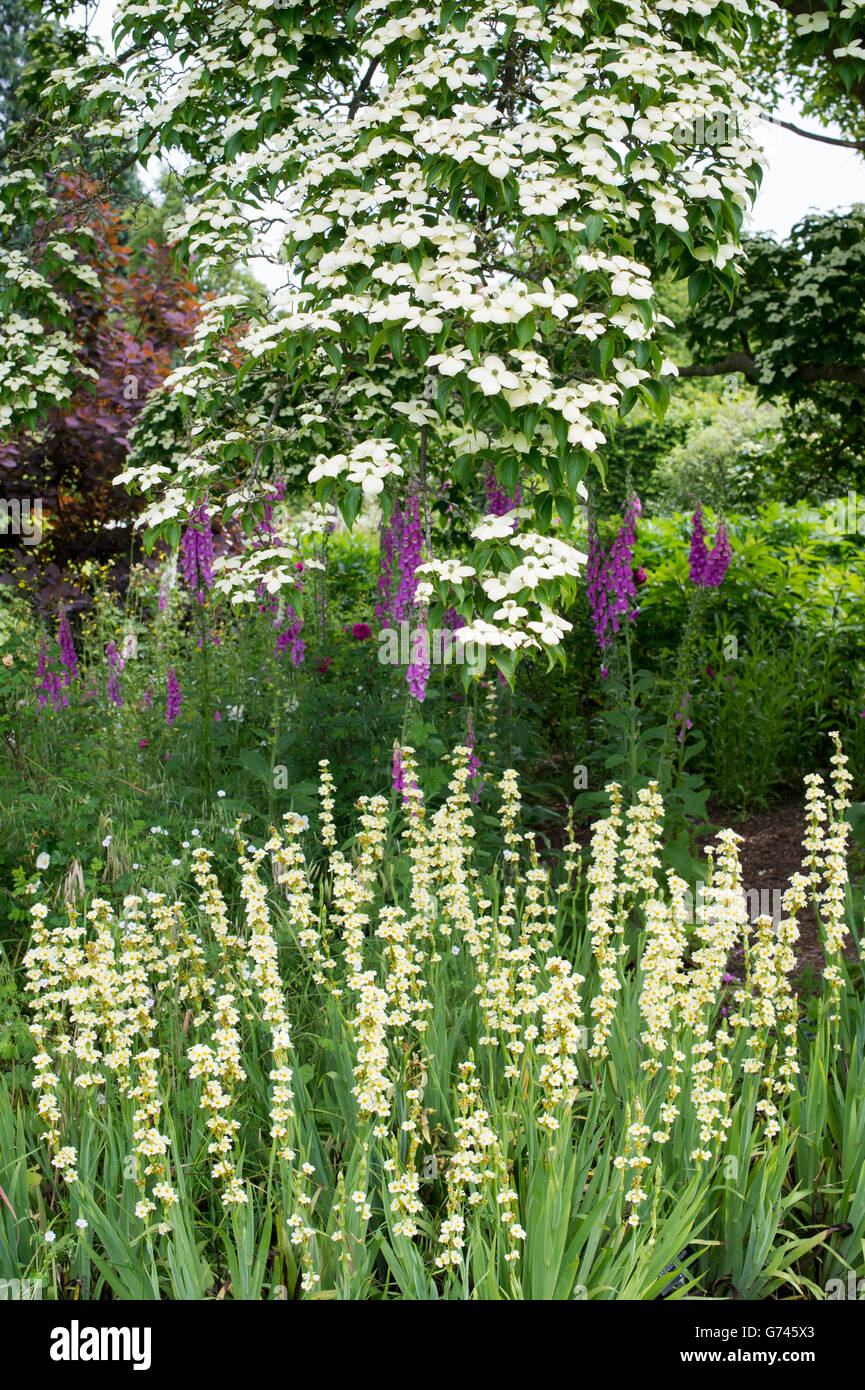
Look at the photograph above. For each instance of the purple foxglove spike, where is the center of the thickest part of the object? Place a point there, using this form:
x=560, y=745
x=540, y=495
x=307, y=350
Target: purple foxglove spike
x=397, y=773
x=196, y=548
x=699, y=553
x=718, y=560
x=173, y=697
x=67, y=649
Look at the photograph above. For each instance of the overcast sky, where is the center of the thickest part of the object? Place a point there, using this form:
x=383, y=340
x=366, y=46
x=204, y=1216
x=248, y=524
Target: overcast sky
x=802, y=175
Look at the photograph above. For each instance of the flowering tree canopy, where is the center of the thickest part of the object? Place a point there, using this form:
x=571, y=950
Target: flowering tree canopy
x=799, y=320
x=472, y=202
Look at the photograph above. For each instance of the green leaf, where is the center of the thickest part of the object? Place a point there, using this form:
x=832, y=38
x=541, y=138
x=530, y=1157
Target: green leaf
x=234, y=144
x=544, y=509
x=254, y=762
x=394, y=338
x=525, y=330
x=474, y=339
x=565, y=509
x=699, y=284
x=350, y=505
x=508, y=473
x=594, y=226
x=547, y=235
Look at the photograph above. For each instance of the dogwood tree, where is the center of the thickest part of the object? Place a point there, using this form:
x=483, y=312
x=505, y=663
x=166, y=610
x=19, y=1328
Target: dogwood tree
x=797, y=328
x=472, y=202
x=814, y=49
x=798, y=320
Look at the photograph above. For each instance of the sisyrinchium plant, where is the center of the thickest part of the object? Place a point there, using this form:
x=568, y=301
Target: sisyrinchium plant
x=389, y=1075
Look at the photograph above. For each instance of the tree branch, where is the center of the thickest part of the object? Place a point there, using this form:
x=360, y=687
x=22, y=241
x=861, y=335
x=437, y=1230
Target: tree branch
x=516, y=272
x=742, y=362
x=824, y=139
x=736, y=362
x=362, y=87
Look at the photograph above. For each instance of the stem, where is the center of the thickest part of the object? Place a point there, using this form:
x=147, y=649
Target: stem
x=275, y=739
x=632, y=709
x=208, y=781
x=422, y=480
x=684, y=672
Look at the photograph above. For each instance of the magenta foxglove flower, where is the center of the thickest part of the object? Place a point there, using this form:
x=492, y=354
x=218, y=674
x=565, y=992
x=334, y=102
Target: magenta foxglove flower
x=196, y=545
x=401, y=547
x=708, y=567
x=699, y=553
x=688, y=724
x=115, y=670
x=289, y=640
x=718, y=561
x=173, y=697
x=610, y=582
x=67, y=649
x=397, y=771
x=399, y=780
x=417, y=672
x=49, y=683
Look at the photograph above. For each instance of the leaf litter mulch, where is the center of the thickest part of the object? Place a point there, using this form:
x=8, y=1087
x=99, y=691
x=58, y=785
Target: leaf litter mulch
x=771, y=852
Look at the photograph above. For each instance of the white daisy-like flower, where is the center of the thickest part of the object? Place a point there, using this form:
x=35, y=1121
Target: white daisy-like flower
x=449, y=570
x=493, y=376
x=551, y=629
x=511, y=612
x=494, y=528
